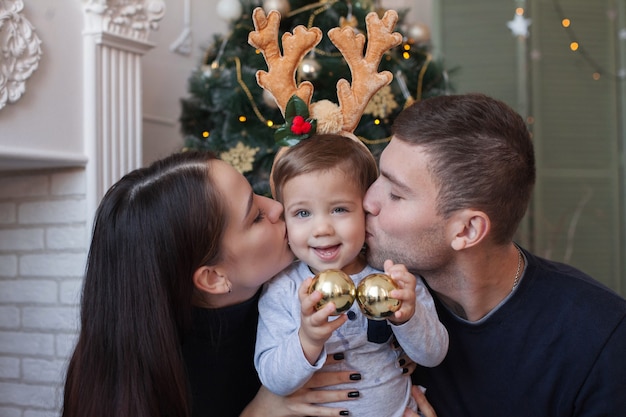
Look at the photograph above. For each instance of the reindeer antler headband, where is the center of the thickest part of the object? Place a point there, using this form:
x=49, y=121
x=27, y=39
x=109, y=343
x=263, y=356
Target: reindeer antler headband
x=280, y=78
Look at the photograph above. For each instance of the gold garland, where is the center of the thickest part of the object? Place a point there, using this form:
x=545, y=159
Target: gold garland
x=325, y=4
x=420, y=79
x=374, y=141
x=246, y=90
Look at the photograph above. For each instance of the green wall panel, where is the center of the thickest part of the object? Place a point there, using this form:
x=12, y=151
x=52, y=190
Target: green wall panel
x=577, y=211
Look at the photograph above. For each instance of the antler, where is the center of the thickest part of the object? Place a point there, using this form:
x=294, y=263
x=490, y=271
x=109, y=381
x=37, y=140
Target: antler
x=280, y=79
x=366, y=80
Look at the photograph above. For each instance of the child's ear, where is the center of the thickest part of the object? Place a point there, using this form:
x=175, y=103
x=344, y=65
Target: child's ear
x=469, y=227
x=212, y=280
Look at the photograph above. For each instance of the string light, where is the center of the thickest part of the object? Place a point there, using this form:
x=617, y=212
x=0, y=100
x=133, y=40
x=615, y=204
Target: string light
x=206, y=134
x=407, y=49
x=270, y=123
x=242, y=118
x=576, y=46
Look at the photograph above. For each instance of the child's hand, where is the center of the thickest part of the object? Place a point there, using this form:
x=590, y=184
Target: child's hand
x=405, y=282
x=315, y=328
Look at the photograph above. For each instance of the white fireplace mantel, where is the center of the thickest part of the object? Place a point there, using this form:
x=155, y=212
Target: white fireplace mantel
x=114, y=40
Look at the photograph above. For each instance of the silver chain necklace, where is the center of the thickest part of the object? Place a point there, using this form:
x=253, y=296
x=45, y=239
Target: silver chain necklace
x=519, y=268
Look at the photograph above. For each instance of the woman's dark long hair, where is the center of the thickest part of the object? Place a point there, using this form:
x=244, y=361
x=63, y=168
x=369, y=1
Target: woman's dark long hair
x=152, y=230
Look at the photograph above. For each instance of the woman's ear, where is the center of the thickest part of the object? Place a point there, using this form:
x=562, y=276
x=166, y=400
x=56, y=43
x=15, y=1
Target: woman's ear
x=469, y=227
x=212, y=280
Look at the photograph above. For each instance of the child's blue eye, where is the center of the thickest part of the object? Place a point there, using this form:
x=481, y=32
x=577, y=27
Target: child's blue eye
x=302, y=213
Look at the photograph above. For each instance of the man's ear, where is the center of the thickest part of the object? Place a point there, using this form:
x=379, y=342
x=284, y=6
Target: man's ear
x=469, y=227
x=212, y=280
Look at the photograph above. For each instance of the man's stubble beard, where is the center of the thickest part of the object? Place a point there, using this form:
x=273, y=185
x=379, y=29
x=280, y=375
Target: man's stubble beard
x=422, y=254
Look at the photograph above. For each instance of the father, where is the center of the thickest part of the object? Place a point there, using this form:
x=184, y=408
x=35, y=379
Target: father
x=528, y=337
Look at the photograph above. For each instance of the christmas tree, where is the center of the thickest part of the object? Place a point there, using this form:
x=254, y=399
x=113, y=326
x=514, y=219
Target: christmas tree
x=228, y=113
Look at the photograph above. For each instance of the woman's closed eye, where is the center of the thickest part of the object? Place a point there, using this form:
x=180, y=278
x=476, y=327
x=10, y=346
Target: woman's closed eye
x=260, y=216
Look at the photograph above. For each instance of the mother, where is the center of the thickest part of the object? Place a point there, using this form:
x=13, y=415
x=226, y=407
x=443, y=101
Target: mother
x=169, y=306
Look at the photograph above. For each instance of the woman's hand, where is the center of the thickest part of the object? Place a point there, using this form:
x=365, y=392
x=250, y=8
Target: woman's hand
x=407, y=364
x=308, y=400
x=423, y=405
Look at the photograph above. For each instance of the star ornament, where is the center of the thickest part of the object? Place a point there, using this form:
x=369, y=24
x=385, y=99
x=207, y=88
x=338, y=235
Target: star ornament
x=519, y=25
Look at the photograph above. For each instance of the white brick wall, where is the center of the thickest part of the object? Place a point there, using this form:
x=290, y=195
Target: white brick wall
x=44, y=236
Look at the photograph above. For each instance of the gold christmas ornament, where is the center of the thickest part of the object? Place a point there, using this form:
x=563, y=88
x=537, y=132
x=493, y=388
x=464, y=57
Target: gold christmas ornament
x=373, y=296
x=268, y=99
x=336, y=286
x=419, y=33
x=229, y=10
x=241, y=157
x=382, y=104
x=282, y=6
x=309, y=69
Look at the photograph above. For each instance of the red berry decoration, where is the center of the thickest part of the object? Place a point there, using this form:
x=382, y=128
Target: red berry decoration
x=300, y=126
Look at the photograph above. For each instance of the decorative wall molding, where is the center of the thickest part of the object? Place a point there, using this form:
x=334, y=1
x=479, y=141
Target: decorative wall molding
x=14, y=158
x=129, y=19
x=114, y=41
x=20, y=51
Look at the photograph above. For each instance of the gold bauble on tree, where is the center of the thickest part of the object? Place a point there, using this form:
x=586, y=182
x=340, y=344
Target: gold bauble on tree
x=418, y=33
x=373, y=296
x=309, y=69
x=229, y=10
x=268, y=99
x=282, y=6
x=336, y=286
